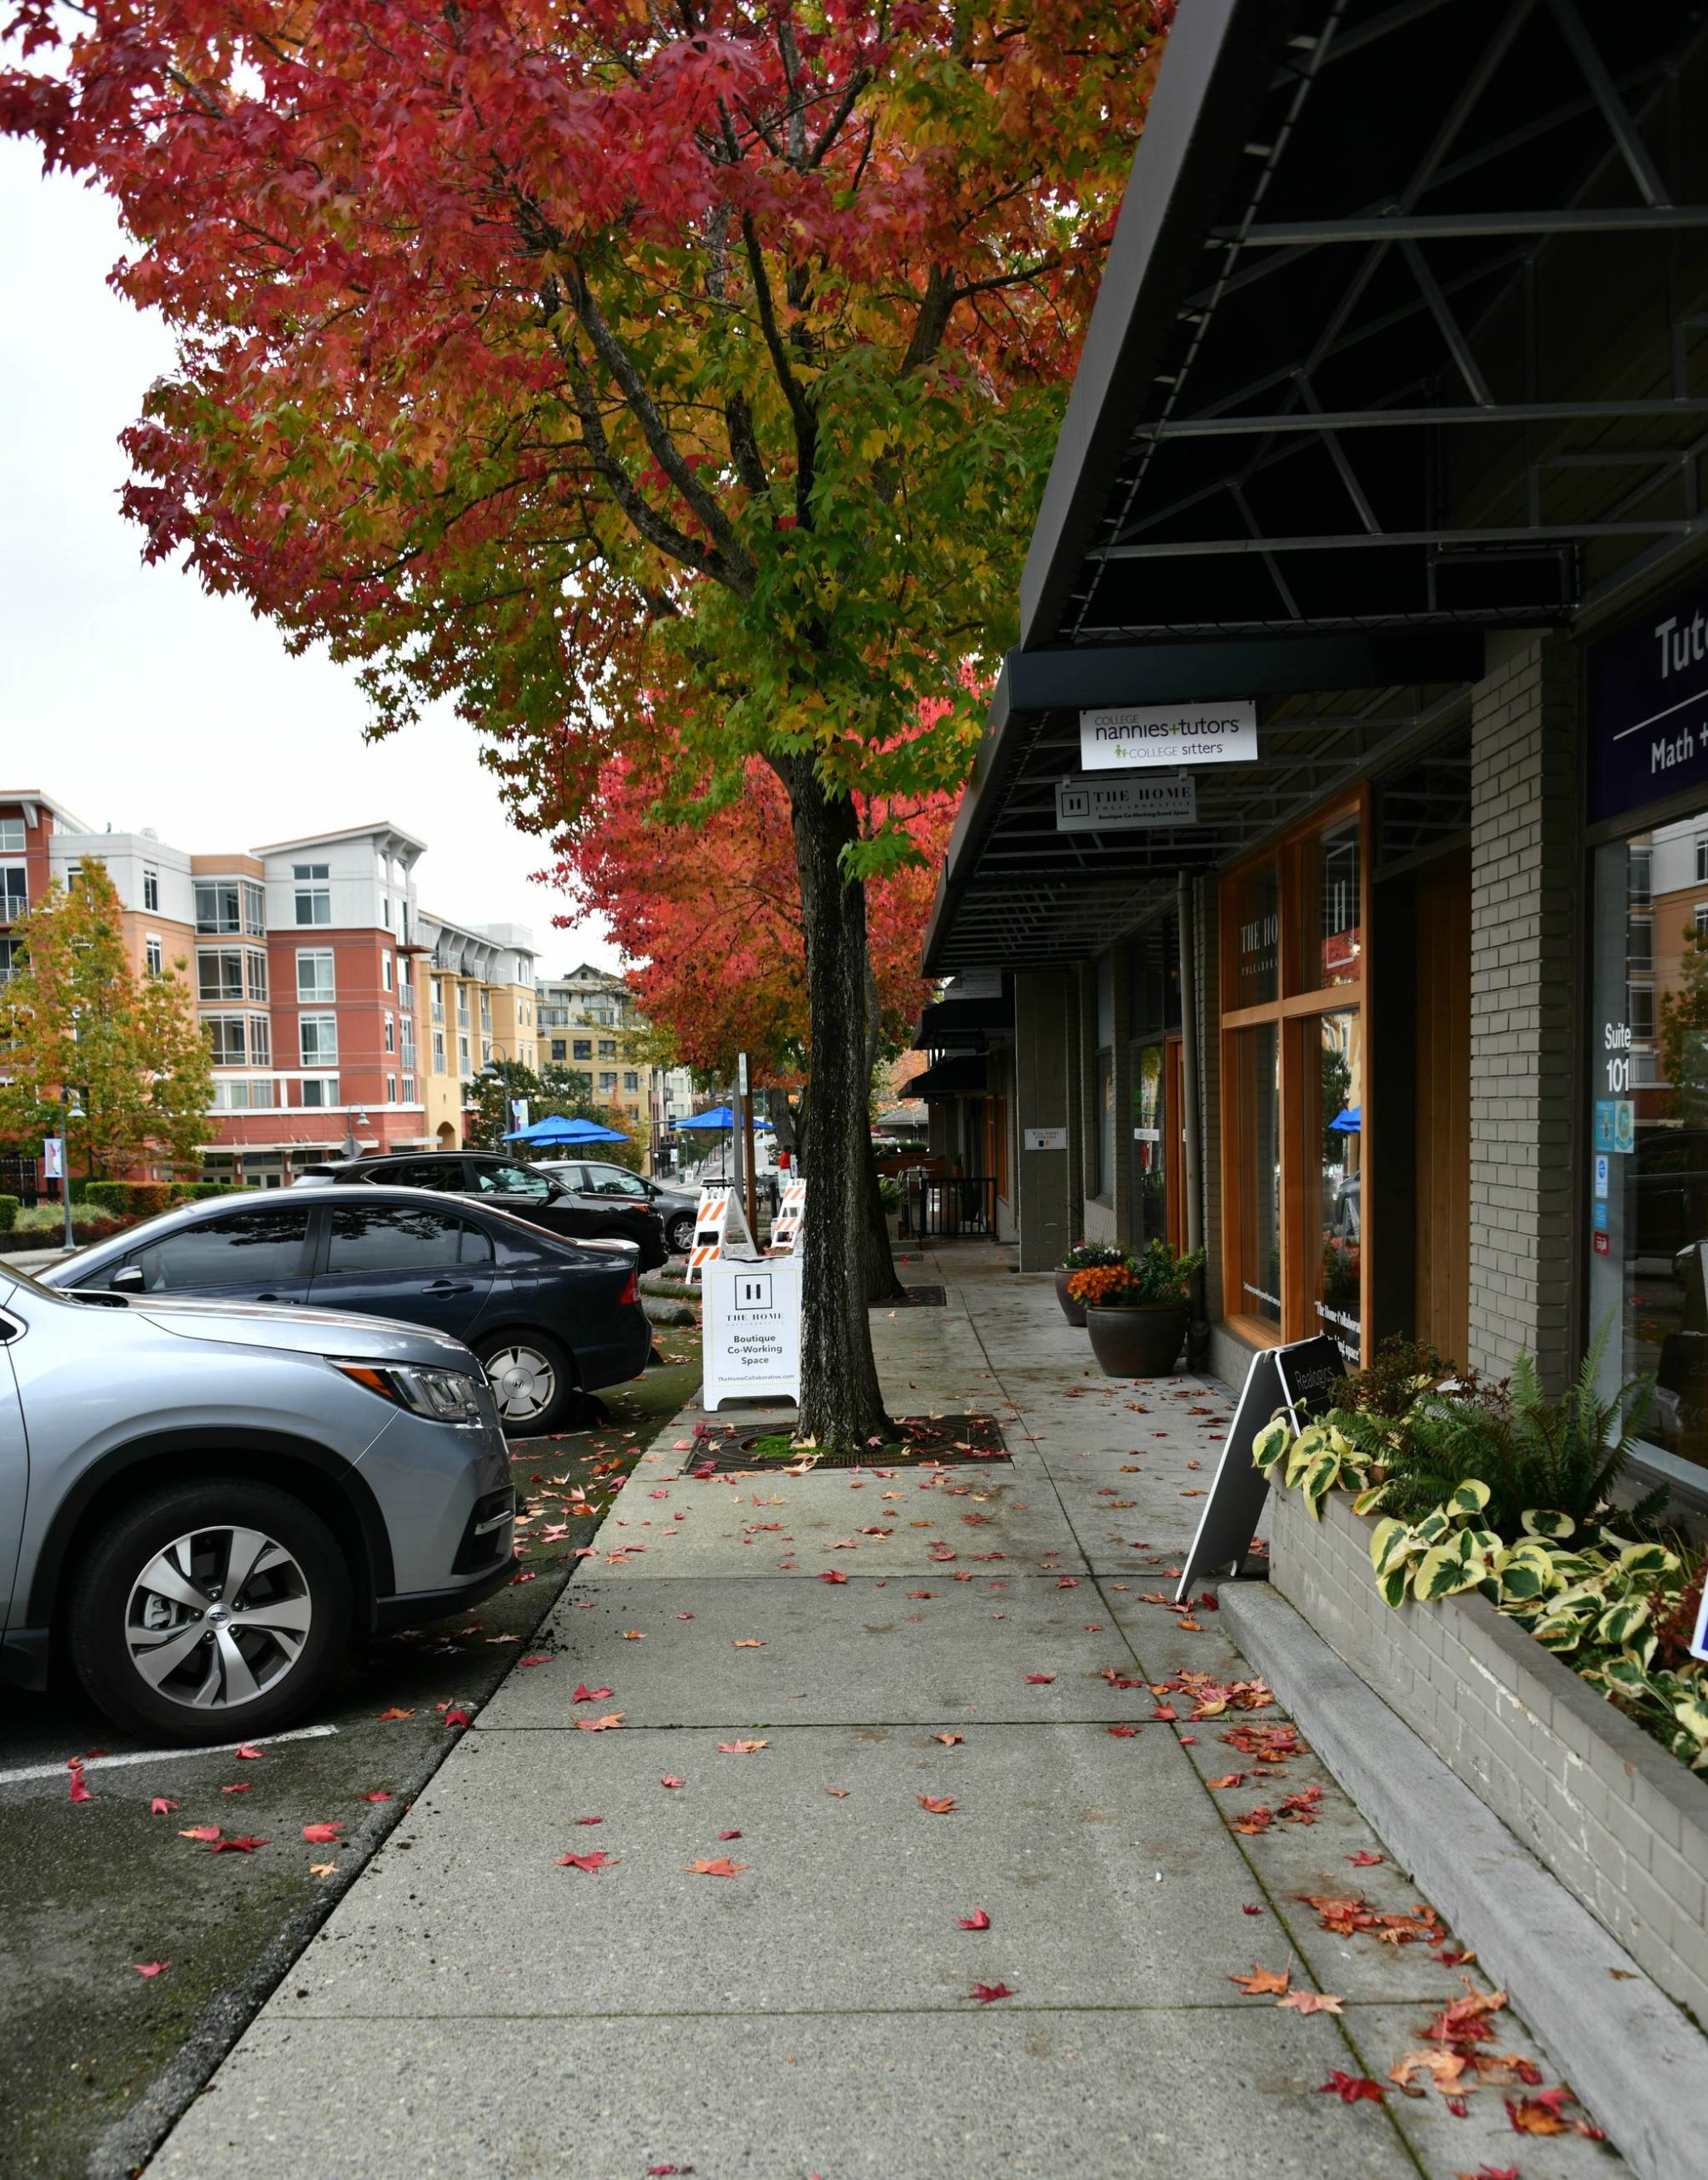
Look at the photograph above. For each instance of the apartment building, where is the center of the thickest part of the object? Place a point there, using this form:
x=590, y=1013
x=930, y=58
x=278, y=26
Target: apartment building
x=474, y=992
x=588, y=1021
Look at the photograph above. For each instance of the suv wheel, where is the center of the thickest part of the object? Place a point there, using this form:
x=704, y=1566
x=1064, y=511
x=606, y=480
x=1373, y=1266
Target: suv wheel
x=210, y=1611
x=532, y=1381
x=680, y=1234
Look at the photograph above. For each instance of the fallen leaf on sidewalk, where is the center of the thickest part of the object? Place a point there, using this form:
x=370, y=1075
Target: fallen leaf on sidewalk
x=610, y=1722
x=246, y=1845
x=161, y=1807
x=149, y=1969
x=1490, y=2173
x=1253, y=1822
x=323, y=1869
x=379, y=1794
x=1538, y=2115
x=829, y=1575
x=1312, y=2001
x=978, y=1920
x=839, y=1793
x=200, y=1832
x=243, y=1787
x=1442, y=2067
x=671, y=1780
x=747, y=1643
x=1251, y=1908
x=938, y=1805
x=722, y=1867
x=741, y=1747
x=729, y=1835
x=80, y=1793
x=1122, y=1733
x=585, y=1694
x=1364, y=1860
x=321, y=1835
x=248, y=1749
x=597, y=1860
x=1351, y=2088
x=1262, y=1982
x=539, y=1658
x=455, y=1716
x=394, y=1713
x=1040, y=1679
x=633, y=1635
x=1229, y=1779
x=987, y=1994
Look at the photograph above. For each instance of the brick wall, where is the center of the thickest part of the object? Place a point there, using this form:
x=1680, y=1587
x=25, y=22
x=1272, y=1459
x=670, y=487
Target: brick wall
x=1526, y=966
x=1616, y=1818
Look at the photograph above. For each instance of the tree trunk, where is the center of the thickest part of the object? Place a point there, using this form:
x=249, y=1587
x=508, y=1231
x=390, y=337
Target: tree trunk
x=840, y=1404
x=882, y=1282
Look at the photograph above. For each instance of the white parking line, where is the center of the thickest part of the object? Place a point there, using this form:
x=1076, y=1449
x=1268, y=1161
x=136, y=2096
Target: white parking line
x=161, y=1755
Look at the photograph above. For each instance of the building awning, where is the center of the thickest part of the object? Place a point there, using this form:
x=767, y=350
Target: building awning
x=964, y=1076
x=963, y=1022
x=1339, y=412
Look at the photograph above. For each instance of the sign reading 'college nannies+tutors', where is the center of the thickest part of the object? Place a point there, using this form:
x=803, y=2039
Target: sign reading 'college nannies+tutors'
x=1649, y=706
x=1138, y=736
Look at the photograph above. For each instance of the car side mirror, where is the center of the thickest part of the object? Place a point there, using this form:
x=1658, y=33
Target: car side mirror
x=127, y=1280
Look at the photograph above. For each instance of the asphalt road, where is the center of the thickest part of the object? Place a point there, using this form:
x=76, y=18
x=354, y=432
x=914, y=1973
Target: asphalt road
x=97, y=2057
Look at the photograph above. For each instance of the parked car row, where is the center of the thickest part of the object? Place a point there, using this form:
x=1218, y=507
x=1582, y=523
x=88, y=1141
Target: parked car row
x=238, y=1430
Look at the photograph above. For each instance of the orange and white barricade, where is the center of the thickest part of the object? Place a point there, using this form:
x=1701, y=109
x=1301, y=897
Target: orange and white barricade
x=786, y=1226
x=711, y=1228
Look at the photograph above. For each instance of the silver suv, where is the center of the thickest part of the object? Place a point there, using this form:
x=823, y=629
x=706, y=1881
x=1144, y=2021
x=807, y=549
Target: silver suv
x=198, y=1501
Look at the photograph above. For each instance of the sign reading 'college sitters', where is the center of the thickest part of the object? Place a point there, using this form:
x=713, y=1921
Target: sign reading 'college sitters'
x=1648, y=706
x=1135, y=736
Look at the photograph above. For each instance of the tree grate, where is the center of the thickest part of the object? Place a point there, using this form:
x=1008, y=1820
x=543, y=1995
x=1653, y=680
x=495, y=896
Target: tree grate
x=926, y=1441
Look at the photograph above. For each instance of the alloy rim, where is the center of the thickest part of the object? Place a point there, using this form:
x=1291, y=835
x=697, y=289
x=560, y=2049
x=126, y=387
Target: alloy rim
x=218, y=1618
x=524, y=1383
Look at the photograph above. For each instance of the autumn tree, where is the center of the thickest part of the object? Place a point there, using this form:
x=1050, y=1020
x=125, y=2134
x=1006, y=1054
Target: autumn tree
x=633, y=378
x=75, y=1015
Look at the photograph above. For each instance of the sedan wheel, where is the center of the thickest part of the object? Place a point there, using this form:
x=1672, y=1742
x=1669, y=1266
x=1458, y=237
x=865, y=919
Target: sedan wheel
x=212, y=1609
x=682, y=1234
x=531, y=1381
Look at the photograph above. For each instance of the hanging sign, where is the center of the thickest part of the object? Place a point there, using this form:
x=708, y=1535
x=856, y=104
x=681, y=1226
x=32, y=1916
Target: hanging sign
x=1124, y=805
x=1153, y=736
x=54, y=1158
x=1295, y=1377
x=752, y=1331
x=519, y=1113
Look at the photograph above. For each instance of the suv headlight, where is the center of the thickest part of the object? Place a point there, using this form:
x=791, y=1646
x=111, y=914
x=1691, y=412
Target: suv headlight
x=442, y=1396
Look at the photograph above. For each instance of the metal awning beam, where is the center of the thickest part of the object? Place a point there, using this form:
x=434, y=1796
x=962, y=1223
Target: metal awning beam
x=1358, y=420
x=1453, y=227
x=1549, y=536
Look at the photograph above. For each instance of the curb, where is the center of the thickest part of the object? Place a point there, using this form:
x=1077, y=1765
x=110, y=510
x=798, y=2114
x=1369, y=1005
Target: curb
x=1630, y=2053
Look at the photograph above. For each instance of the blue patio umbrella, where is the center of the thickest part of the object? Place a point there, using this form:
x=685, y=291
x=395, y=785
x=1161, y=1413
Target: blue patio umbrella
x=554, y=1129
x=1349, y=1120
x=716, y=1116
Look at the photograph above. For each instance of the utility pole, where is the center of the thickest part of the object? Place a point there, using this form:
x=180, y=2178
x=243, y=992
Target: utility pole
x=746, y=1118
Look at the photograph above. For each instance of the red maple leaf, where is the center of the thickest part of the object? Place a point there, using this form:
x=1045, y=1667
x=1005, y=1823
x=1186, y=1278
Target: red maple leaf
x=379, y=1794
x=200, y=1832
x=598, y=1860
x=248, y=1749
x=321, y=1835
x=149, y=1969
x=585, y=1694
x=1039, y=1679
x=978, y=1920
x=456, y=1717
x=832, y=1574
x=539, y=1658
x=721, y=1866
x=1364, y=1859
x=1121, y=1733
x=1349, y=2088
x=80, y=1791
x=161, y=1807
x=987, y=1994
x=671, y=1780
x=937, y=1804
x=244, y=1845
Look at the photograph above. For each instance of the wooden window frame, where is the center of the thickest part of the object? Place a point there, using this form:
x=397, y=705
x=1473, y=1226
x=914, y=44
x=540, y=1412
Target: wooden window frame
x=1291, y=1010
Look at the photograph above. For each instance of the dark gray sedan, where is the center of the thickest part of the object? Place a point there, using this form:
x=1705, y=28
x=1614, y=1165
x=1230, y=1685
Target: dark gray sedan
x=547, y=1316
x=599, y=1180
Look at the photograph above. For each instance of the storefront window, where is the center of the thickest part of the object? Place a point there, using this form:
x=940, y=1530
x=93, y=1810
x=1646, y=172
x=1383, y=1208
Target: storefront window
x=1648, y=1149
x=1292, y=981
x=1105, y=1187
x=1150, y=1206
x=1258, y=1077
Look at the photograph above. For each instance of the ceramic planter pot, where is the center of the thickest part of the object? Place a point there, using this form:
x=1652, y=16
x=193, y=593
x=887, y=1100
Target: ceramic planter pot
x=1070, y=1309
x=1139, y=1343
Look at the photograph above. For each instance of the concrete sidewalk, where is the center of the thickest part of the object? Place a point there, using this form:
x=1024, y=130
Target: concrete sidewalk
x=475, y=2008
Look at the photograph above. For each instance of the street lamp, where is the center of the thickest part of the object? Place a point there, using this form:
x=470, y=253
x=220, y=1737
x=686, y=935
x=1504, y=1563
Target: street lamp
x=70, y=1108
x=352, y=1121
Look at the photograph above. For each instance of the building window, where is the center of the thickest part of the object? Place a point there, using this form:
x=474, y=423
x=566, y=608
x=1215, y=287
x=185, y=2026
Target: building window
x=1639, y=1012
x=313, y=893
x=219, y=906
x=11, y=958
x=219, y=973
x=227, y=1038
x=438, y=1052
x=631, y=1080
x=316, y=980
x=154, y=955
x=1293, y=982
x=386, y=971
x=608, y=1080
x=319, y=1039
x=261, y=1040
x=11, y=836
x=320, y=1090
x=255, y=962
x=406, y=991
x=584, y=1047
x=15, y=891
x=1640, y=878
x=462, y=1020
x=1639, y=944
x=391, y=1033
x=409, y=1089
x=486, y=1011
x=151, y=890
x=462, y=1055
x=391, y=1089
x=254, y=909
x=238, y=1094
x=560, y=1049
x=438, y=995
x=385, y=910
x=607, y=1047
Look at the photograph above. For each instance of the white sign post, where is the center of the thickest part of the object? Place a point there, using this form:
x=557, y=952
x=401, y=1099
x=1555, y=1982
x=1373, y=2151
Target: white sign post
x=1144, y=736
x=752, y=1334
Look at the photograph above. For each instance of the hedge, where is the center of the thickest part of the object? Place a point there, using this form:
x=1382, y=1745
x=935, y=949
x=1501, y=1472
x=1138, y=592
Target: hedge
x=11, y=1206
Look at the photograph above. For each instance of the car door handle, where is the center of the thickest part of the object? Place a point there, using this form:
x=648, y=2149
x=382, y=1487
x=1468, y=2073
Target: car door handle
x=449, y=1286
x=293, y=1299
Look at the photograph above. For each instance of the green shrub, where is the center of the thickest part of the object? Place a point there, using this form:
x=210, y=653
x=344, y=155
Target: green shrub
x=112, y=1197
x=11, y=1206
x=79, y=1188
x=149, y=1197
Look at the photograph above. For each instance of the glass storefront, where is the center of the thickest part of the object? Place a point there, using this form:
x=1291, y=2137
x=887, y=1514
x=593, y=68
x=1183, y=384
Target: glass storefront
x=1150, y=1154
x=1335, y=1126
x=1259, y=1078
x=1648, y=1134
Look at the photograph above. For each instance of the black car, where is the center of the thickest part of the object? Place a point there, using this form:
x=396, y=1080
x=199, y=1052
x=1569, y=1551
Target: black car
x=493, y=1177
x=601, y=1182
x=550, y=1317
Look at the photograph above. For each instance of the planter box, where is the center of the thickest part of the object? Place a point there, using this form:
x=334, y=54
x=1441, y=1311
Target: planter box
x=1621, y=1822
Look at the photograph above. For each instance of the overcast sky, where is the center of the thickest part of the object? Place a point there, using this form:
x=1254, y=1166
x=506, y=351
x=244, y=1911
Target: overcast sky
x=130, y=694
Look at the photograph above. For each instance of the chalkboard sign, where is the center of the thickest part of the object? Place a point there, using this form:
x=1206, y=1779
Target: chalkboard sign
x=1295, y=1377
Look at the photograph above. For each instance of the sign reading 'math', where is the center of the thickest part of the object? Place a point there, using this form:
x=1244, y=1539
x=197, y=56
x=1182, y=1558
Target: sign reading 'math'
x=1133, y=736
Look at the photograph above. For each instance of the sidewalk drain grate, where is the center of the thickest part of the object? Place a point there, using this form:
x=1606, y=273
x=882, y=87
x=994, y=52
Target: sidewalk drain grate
x=916, y=1298
x=926, y=1441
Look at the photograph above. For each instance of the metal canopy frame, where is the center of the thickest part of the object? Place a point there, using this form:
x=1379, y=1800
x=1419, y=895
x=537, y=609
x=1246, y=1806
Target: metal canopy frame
x=1340, y=388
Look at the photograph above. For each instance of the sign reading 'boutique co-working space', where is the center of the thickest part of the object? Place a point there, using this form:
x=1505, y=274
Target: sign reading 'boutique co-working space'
x=1648, y=706
x=1142, y=735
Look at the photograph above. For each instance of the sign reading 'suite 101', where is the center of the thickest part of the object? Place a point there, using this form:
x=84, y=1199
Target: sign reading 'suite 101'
x=1648, y=706
x=1134, y=735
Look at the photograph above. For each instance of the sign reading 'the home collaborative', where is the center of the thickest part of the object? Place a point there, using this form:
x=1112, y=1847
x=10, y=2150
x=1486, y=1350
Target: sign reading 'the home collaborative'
x=1649, y=706
x=1135, y=736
